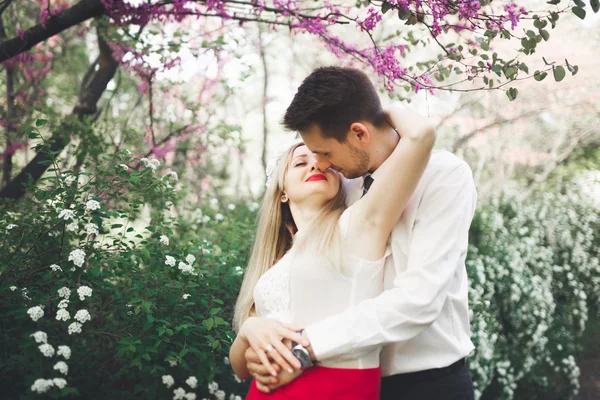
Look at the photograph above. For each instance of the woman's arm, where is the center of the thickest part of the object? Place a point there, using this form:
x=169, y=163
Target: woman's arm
x=237, y=357
x=374, y=216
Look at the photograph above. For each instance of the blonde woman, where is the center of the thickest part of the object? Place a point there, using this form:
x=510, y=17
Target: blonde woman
x=313, y=257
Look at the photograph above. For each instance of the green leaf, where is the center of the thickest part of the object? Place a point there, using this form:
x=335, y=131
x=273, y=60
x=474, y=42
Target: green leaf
x=385, y=7
x=512, y=93
x=485, y=46
x=580, y=12
x=579, y=3
x=40, y=122
x=553, y=2
x=510, y=72
x=545, y=34
x=404, y=13
x=595, y=5
x=208, y=323
x=559, y=73
x=539, y=76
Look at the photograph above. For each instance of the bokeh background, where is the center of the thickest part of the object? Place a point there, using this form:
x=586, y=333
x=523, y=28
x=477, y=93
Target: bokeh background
x=155, y=138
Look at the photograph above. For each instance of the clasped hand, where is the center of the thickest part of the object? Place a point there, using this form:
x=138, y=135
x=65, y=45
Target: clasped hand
x=269, y=351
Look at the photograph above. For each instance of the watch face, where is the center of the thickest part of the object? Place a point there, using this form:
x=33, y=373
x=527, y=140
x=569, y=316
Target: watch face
x=303, y=356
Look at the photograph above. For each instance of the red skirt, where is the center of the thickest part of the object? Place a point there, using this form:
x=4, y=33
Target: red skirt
x=322, y=383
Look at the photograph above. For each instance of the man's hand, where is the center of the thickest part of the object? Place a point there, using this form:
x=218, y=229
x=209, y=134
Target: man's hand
x=265, y=382
x=265, y=335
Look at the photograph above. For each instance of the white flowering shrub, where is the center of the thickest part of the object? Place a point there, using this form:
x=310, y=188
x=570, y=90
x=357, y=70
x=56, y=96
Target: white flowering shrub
x=111, y=289
x=535, y=278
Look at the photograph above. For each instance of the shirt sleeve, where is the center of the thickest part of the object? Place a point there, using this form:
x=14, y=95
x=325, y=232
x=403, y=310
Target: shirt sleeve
x=438, y=248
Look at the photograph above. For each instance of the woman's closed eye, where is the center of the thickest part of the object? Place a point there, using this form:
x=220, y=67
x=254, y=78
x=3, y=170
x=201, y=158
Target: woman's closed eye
x=300, y=164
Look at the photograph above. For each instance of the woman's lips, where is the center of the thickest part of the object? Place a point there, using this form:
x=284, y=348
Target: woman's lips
x=316, y=177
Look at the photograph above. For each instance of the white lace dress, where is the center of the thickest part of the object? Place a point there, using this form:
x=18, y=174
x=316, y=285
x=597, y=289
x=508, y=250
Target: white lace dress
x=303, y=288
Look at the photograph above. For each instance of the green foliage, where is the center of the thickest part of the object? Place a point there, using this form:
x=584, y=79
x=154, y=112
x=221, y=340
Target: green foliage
x=145, y=315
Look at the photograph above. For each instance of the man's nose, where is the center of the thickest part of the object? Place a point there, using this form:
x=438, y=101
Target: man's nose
x=321, y=163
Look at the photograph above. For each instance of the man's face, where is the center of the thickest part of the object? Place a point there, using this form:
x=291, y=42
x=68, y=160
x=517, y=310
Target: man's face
x=346, y=158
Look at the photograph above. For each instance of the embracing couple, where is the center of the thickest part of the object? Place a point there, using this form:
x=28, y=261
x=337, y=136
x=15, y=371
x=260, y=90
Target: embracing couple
x=357, y=288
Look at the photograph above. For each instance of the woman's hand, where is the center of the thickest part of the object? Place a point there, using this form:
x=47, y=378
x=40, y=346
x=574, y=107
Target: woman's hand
x=265, y=382
x=265, y=336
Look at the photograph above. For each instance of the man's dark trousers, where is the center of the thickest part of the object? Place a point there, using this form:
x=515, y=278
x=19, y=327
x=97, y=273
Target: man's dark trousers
x=450, y=383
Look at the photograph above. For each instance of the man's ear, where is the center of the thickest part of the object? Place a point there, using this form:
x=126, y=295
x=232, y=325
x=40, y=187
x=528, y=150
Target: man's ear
x=359, y=134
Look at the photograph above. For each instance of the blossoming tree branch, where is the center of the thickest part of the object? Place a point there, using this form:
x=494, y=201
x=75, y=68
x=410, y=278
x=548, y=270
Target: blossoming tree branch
x=463, y=38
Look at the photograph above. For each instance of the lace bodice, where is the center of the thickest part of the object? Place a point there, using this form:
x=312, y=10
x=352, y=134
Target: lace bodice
x=272, y=291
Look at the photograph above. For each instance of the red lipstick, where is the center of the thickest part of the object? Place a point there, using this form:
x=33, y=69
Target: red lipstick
x=316, y=177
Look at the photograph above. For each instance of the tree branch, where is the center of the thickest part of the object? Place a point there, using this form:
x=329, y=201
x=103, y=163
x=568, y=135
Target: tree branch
x=89, y=95
x=80, y=12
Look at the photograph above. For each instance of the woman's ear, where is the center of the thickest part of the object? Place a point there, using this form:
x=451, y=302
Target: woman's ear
x=284, y=198
x=359, y=134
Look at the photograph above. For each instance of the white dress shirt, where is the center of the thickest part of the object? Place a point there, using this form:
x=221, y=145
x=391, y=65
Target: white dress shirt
x=422, y=316
x=304, y=287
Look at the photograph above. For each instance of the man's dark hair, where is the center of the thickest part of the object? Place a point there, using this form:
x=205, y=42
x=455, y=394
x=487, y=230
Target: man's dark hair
x=334, y=98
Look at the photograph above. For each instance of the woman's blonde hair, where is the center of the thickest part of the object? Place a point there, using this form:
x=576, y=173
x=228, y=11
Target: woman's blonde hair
x=275, y=235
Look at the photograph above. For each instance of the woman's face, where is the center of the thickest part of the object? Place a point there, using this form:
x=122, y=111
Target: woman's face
x=304, y=181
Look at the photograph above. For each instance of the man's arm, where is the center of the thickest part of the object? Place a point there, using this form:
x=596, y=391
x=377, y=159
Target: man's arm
x=438, y=246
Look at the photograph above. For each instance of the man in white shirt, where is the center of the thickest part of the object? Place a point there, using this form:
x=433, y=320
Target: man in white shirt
x=422, y=317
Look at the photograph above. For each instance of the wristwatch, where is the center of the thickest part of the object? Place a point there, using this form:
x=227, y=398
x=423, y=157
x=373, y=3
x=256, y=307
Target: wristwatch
x=301, y=354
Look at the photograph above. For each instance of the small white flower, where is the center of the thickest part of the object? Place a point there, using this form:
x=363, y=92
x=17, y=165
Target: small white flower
x=82, y=316
x=63, y=315
x=13, y=288
x=226, y=361
x=253, y=206
x=40, y=337
x=64, y=351
x=64, y=292
x=77, y=256
x=214, y=203
x=192, y=382
x=64, y=303
x=205, y=219
x=69, y=179
x=72, y=227
x=62, y=367
x=170, y=261
x=231, y=207
x=66, y=214
x=92, y=205
x=152, y=164
x=84, y=291
x=186, y=296
x=91, y=229
x=169, y=204
x=168, y=380
x=172, y=175
x=190, y=259
x=75, y=327
x=10, y=226
x=190, y=396
x=55, y=267
x=125, y=167
x=59, y=382
x=178, y=394
x=35, y=313
x=164, y=240
x=183, y=267
x=220, y=395
x=42, y=385
x=213, y=387
x=172, y=363
x=219, y=217
x=47, y=350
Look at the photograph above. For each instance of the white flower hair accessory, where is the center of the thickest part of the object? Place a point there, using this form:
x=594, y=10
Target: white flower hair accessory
x=274, y=161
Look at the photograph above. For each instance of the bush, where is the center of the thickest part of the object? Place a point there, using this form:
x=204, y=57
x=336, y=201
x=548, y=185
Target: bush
x=161, y=292
x=535, y=278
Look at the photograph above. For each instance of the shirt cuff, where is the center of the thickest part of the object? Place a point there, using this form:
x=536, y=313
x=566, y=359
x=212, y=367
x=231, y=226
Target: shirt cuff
x=325, y=340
